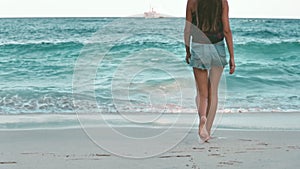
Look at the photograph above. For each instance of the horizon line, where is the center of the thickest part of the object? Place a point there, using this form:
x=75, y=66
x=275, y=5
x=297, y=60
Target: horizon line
x=24, y=17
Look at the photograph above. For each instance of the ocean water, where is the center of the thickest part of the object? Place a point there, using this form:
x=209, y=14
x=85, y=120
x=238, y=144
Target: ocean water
x=40, y=58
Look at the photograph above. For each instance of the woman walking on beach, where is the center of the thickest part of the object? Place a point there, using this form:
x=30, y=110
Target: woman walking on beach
x=207, y=24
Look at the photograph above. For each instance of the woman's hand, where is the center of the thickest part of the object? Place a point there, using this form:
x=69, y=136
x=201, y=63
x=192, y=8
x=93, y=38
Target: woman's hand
x=187, y=58
x=232, y=66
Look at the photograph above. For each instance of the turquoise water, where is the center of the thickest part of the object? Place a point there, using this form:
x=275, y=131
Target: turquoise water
x=38, y=57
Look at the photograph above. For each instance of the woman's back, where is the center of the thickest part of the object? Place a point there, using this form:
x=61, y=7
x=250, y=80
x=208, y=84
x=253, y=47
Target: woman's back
x=207, y=17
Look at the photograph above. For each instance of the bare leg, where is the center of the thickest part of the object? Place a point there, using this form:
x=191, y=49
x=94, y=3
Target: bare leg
x=201, y=78
x=214, y=77
x=208, y=98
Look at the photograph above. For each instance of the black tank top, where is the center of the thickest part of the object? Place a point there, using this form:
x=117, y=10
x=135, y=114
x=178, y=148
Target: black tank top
x=214, y=37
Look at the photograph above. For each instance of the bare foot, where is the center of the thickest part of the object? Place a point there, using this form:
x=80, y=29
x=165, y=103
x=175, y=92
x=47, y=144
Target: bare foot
x=202, y=129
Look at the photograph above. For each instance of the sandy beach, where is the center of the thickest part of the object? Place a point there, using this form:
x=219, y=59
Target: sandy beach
x=72, y=149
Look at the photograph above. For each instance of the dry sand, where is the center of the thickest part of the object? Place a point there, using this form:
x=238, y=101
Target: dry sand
x=72, y=149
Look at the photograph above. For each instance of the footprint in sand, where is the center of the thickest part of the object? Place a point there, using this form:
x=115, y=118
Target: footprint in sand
x=86, y=157
x=255, y=149
x=245, y=140
x=222, y=163
x=240, y=152
x=217, y=155
x=177, y=156
x=8, y=162
x=198, y=148
x=293, y=147
x=263, y=144
x=194, y=165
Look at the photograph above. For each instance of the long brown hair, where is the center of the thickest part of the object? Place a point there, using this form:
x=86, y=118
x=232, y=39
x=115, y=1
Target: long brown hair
x=209, y=15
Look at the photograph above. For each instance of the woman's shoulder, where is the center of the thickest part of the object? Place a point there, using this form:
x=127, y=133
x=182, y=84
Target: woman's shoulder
x=192, y=4
x=192, y=1
x=224, y=2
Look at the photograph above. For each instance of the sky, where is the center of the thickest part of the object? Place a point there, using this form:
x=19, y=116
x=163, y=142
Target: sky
x=124, y=8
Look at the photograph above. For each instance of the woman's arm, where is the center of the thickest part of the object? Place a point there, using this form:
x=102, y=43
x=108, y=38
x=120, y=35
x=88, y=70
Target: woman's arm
x=228, y=34
x=187, y=30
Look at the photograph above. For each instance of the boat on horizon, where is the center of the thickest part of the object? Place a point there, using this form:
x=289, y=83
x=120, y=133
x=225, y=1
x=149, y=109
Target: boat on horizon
x=152, y=14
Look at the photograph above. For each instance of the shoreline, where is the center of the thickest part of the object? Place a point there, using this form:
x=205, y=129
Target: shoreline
x=272, y=121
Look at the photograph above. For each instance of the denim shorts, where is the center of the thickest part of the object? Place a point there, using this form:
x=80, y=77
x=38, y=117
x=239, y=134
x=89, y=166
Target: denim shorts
x=205, y=56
